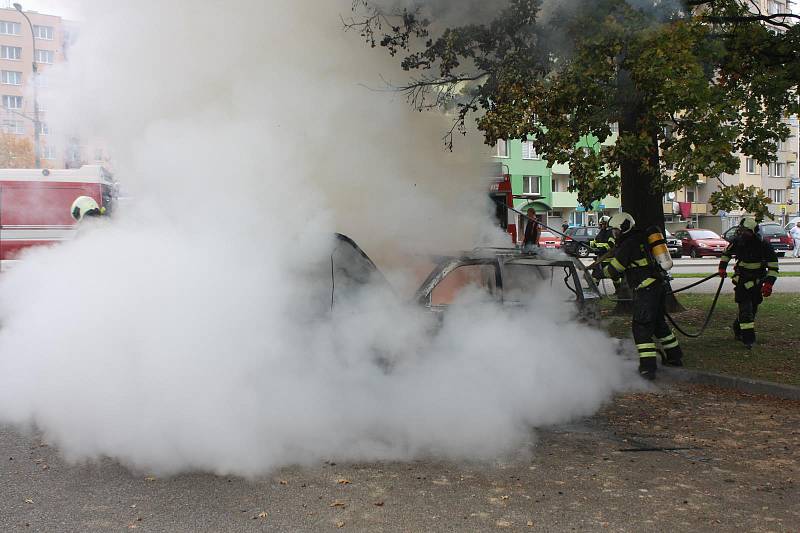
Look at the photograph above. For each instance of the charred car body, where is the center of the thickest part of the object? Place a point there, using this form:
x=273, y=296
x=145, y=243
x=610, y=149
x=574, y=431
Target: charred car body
x=508, y=276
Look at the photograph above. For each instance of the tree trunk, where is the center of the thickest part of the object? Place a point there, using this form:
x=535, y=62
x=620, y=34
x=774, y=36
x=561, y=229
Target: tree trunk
x=641, y=198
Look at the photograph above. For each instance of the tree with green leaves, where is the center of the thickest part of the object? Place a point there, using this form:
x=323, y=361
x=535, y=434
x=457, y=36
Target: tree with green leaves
x=690, y=83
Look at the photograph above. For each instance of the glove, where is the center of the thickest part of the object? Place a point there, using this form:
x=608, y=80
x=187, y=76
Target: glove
x=766, y=289
x=723, y=272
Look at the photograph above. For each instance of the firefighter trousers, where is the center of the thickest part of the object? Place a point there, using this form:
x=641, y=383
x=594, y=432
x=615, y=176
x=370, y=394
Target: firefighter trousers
x=748, y=299
x=649, y=326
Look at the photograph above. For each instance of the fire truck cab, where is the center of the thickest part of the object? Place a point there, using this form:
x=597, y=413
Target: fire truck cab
x=35, y=205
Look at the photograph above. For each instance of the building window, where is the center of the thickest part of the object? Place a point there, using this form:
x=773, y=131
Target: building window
x=44, y=129
x=9, y=28
x=528, y=151
x=17, y=127
x=614, y=127
x=502, y=148
x=530, y=184
x=778, y=196
x=776, y=170
x=48, y=152
x=11, y=77
x=44, y=56
x=43, y=32
x=750, y=165
x=691, y=194
x=776, y=8
x=10, y=52
x=12, y=102
x=780, y=145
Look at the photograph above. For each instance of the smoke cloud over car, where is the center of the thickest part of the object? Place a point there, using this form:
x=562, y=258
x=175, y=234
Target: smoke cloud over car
x=185, y=333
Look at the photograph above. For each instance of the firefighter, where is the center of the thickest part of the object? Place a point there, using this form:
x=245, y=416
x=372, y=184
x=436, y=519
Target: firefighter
x=753, y=276
x=604, y=241
x=532, y=232
x=85, y=206
x=631, y=257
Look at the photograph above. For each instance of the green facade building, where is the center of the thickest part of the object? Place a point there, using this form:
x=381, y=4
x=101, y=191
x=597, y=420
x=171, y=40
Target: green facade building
x=547, y=189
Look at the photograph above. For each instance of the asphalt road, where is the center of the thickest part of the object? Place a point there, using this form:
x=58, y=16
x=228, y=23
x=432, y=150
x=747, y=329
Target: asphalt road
x=683, y=458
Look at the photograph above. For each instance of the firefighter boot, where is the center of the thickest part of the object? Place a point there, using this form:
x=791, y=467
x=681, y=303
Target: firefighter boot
x=647, y=368
x=748, y=335
x=671, y=353
x=673, y=356
x=737, y=332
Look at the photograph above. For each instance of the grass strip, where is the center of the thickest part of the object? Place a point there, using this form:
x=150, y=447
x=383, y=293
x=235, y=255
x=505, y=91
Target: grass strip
x=775, y=357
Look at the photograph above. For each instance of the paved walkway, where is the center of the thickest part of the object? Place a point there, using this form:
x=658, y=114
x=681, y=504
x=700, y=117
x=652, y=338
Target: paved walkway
x=685, y=458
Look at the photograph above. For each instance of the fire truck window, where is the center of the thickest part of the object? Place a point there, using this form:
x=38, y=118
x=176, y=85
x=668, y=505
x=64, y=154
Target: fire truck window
x=481, y=276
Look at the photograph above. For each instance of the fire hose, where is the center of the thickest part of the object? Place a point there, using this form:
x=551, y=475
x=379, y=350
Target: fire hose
x=671, y=320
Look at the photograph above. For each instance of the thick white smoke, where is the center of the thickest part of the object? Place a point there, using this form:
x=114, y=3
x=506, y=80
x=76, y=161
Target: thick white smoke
x=184, y=333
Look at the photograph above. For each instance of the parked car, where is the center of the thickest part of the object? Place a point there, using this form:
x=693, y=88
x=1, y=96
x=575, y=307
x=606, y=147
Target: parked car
x=701, y=242
x=548, y=239
x=578, y=234
x=792, y=223
x=673, y=245
x=773, y=233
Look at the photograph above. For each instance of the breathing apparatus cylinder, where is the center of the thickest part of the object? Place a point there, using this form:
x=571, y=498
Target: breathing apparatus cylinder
x=658, y=247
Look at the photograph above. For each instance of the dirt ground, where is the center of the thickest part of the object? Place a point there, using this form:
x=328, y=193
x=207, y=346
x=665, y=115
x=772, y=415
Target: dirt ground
x=681, y=458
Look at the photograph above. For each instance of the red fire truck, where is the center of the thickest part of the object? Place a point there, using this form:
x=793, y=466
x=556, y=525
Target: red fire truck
x=35, y=204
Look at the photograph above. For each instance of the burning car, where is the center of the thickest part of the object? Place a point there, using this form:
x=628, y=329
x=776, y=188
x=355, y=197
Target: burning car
x=507, y=275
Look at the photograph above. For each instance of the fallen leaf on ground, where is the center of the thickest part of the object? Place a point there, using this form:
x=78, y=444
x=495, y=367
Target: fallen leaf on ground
x=343, y=481
x=340, y=524
x=28, y=501
x=150, y=478
x=378, y=504
x=503, y=497
x=337, y=503
x=283, y=482
x=530, y=523
x=262, y=514
x=503, y=523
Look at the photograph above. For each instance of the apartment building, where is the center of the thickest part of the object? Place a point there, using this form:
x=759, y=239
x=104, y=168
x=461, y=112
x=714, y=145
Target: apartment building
x=47, y=47
x=546, y=190
x=779, y=180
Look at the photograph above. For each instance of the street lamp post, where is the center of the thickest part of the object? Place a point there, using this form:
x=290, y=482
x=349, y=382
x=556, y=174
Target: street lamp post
x=36, y=123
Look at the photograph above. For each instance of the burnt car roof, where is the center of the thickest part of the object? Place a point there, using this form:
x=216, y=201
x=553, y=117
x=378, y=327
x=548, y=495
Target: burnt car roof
x=490, y=255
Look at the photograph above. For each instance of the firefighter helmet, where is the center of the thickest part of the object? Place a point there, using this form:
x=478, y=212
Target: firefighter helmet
x=604, y=219
x=749, y=223
x=622, y=221
x=85, y=206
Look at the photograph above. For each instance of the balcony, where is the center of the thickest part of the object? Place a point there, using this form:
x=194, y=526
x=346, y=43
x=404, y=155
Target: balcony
x=698, y=208
x=570, y=200
x=565, y=199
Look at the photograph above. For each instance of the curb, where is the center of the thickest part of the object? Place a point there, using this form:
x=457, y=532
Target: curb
x=749, y=386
